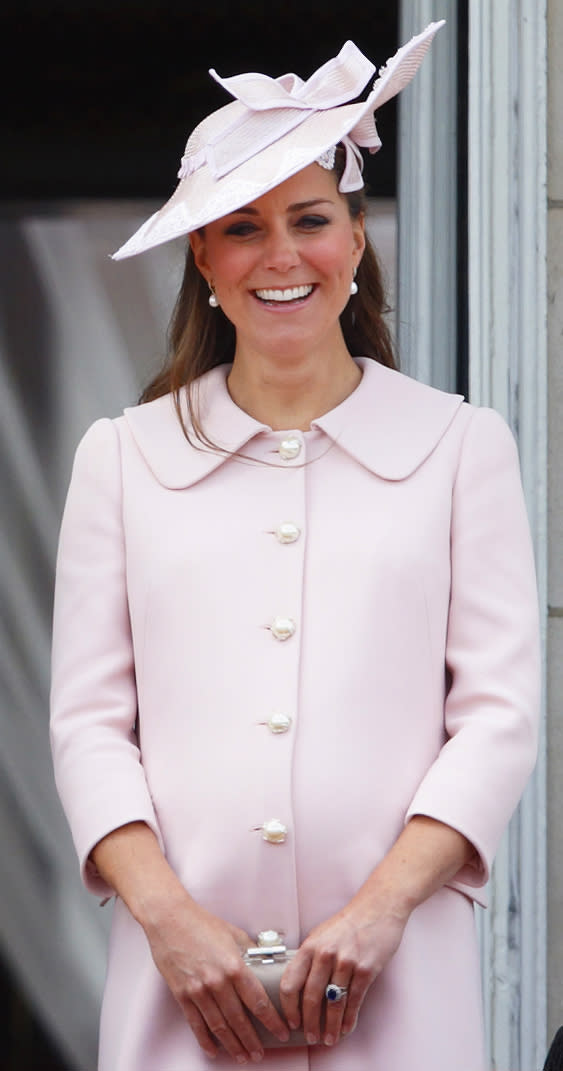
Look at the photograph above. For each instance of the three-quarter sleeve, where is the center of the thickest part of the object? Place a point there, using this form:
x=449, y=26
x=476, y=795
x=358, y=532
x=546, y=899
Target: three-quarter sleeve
x=98, y=769
x=492, y=651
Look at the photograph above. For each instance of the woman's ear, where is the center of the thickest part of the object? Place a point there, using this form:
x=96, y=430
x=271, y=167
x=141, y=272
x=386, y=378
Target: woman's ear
x=199, y=252
x=359, y=230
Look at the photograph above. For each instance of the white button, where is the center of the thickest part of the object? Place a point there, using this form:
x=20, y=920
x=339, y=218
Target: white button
x=279, y=723
x=274, y=831
x=269, y=939
x=283, y=627
x=287, y=532
x=289, y=448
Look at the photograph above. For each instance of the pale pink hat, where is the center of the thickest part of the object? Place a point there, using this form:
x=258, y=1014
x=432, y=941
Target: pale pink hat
x=274, y=128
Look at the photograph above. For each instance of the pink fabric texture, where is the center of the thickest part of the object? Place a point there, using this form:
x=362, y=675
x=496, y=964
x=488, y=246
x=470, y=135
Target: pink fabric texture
x=411, y=682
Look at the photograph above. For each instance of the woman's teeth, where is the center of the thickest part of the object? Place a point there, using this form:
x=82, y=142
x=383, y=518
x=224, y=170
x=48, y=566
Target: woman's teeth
x=291, y=294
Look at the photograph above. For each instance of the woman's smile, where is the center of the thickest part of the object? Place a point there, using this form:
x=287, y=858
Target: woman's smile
x=290, y=296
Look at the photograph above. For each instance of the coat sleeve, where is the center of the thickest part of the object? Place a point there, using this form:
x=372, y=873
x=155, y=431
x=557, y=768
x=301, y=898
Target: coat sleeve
x=492, y=650
x=98, y=769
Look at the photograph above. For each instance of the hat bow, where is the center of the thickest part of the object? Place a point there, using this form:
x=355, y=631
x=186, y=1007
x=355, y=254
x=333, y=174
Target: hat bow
x=272, y=107
x=275, y=106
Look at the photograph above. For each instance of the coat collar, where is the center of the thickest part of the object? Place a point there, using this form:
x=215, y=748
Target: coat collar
x=390, y=424
x=174, y=461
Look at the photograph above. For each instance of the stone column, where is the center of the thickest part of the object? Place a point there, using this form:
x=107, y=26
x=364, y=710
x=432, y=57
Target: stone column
x=555, y=521
x=508, y=370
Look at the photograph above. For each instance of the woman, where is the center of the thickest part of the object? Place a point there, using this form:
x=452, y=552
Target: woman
x=295, y=658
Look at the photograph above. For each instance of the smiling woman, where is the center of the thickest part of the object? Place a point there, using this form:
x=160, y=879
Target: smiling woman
x=295, y=693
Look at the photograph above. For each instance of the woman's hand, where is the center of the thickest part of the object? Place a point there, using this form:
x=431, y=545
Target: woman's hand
x=350, y=949
x=200, y=959
x=353, y=946
x=198, y=955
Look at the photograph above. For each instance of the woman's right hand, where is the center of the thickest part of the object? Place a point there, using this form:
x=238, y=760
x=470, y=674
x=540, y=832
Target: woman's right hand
x=200, y=958
x=198, y=955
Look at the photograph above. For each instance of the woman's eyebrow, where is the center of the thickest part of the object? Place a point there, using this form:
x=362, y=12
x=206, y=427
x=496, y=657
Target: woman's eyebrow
x=300, y=205
x=247, y=210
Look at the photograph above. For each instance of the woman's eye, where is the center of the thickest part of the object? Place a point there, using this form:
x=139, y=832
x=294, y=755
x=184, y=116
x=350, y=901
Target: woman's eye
x=310, y=223
x=242, y=229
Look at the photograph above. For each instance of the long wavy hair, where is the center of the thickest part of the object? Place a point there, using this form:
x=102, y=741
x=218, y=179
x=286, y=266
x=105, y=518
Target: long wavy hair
x=200, y=338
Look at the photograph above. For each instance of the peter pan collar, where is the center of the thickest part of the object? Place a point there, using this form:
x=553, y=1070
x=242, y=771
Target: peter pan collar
x=390, y=424
x=175, y=462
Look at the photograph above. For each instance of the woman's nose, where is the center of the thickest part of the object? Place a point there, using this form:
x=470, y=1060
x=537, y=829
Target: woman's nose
x=281, y=252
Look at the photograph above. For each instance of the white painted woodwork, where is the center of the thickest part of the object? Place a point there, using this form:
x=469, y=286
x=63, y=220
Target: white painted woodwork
x=427, y=202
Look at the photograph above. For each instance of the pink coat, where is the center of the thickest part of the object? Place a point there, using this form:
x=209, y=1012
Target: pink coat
x=408, y=685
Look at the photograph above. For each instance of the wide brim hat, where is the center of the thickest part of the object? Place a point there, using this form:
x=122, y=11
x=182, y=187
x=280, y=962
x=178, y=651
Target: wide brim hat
x=273, y=129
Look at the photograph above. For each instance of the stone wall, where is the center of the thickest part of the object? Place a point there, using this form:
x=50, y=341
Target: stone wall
x=555, y=527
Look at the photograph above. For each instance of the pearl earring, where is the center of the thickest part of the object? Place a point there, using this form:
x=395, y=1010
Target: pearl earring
x=354, y=285
x=213, y=298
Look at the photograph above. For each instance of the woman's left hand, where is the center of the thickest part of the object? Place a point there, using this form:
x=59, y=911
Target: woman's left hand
x=349, y=949
x=352, y=948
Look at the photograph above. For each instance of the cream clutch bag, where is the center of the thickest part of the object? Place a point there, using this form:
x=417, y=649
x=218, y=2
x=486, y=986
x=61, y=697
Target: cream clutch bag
x=268, y=964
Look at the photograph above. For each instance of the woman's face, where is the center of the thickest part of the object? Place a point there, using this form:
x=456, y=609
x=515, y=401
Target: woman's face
x=282, y=266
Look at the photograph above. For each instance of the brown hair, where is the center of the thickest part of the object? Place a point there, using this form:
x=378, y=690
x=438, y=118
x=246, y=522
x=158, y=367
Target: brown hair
x=200, y=338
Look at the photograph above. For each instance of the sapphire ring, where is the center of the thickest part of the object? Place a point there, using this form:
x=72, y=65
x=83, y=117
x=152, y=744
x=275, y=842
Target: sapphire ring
x=335, y=993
